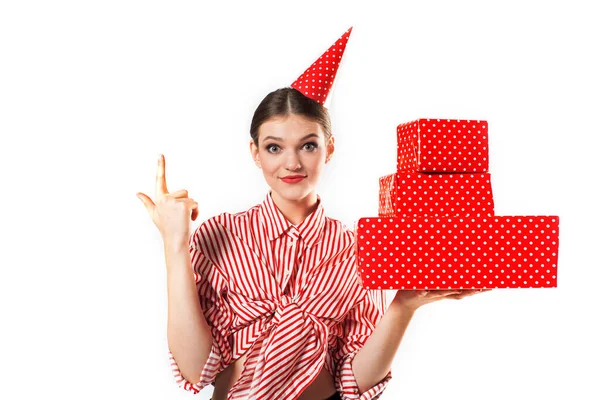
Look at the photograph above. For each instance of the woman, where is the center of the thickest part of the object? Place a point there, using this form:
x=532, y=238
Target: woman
x=267, y=303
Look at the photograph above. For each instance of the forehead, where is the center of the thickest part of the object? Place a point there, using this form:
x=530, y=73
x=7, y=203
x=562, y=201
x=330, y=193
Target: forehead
x=290, y=128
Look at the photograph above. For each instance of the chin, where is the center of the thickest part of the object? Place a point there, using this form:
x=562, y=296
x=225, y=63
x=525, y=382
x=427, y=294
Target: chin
x=293, y=193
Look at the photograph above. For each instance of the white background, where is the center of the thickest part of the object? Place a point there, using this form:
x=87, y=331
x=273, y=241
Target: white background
x=92, y=92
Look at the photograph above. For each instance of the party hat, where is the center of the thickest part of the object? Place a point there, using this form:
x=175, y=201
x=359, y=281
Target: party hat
x=317, y=80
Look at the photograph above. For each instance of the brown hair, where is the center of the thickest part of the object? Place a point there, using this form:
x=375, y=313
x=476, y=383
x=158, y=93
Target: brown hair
x=286, y=101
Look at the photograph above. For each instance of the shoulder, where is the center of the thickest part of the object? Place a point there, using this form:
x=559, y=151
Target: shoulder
x=338, y=229
x=237, y=221
x=337, y=241
x=218, y=227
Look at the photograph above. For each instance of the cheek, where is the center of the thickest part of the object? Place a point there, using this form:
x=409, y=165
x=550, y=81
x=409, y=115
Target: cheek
x=319, y=160
x=269, y=164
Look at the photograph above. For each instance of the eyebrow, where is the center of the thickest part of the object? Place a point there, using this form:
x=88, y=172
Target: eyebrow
x=281, y=140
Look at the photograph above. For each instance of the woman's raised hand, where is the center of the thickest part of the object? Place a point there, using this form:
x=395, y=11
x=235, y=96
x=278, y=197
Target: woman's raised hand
x=171, y=213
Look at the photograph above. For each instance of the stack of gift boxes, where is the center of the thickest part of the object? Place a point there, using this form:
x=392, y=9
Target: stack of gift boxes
x=436, y=227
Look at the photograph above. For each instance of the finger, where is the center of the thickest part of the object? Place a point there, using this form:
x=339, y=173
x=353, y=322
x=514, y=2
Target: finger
x=475, y=291
x=442, y=293
x=179, y=194
x=148, y=203
x=465, y=293
x=161, y=181
x=195, y=212
x=192, y=205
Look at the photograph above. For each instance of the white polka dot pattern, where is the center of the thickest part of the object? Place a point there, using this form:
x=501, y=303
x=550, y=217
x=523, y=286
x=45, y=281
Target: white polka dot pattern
x=434, y=145
x=417, y=194
x=317, y=80
x=458, y=252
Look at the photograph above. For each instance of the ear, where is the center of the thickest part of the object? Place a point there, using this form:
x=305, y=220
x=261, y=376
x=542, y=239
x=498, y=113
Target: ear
x=330, y=149
x=254, y=153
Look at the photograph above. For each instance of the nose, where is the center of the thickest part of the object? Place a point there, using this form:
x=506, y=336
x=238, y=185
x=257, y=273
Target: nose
x=292, y=161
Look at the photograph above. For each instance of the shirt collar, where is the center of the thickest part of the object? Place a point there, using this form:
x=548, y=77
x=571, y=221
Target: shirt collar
x=311, y=229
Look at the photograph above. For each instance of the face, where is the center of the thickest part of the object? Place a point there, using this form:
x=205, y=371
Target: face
x=292, y=146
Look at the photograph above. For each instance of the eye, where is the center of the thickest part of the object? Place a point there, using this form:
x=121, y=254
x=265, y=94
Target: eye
x=269, y=146
x=313, y=144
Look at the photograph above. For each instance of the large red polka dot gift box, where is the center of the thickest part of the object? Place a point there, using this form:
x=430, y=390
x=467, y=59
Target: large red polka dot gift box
x=458, y=252
x=436, y=227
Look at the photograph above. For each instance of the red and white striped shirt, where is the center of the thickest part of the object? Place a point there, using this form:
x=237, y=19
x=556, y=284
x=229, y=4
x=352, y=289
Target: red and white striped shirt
x=289, y=295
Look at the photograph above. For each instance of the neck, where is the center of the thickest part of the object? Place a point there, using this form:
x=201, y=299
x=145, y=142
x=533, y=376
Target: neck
x=296, y=211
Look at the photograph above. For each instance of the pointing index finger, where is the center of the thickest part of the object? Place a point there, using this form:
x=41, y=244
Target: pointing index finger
x=161, y=182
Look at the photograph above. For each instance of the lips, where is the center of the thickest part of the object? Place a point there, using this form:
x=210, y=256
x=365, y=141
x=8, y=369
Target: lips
x=293, y=178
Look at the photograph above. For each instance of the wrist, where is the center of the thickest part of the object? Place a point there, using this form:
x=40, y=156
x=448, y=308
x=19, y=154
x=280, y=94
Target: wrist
x=404, y=303
x=175, y=245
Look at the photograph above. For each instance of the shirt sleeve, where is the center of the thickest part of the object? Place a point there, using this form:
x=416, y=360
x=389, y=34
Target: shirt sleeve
x=357, y=326
x=210, y=284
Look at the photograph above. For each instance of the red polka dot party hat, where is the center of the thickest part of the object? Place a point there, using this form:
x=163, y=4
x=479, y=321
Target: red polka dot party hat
x=317, y=80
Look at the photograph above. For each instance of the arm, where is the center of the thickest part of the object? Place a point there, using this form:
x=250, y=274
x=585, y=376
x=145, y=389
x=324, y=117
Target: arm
x=188, y=333
x=374, y=359
x=199, y=348
x=357, y=328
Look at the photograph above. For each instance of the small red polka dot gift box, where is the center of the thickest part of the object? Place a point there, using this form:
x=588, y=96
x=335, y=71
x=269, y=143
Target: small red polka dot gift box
x=443, y=145
x=457, y=252
x=419, y=194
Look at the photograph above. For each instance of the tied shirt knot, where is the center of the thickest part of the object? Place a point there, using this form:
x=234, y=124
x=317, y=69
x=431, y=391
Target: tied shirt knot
x=294, y=338
x=287, y=315
x=286, y=302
